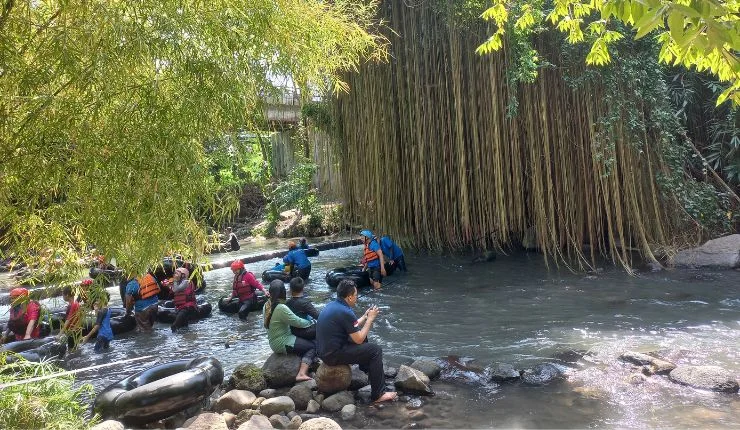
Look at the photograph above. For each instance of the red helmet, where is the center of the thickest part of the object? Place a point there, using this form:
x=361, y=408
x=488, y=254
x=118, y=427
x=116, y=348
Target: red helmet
x=291, y=245
x=86, y=282
x=18, y=292
x=237, y=265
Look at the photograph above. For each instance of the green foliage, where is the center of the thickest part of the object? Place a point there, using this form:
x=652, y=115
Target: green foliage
x=50, y=404
x=297, y=191
x=700, y=34
x=319, y=113
x=105, y=108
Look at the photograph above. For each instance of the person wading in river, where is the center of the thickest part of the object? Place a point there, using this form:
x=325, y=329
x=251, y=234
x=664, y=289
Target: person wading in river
x=298, y=261
x=141, y=295
x=372, y=259
x=185, y=304
x=244, y=287
x=24, y=315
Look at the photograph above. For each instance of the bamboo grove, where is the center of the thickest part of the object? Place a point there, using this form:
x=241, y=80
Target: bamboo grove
x=430, y=155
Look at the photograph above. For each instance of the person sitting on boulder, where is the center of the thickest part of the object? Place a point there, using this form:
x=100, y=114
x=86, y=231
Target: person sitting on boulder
x=185, y=304
x=298, y=261
x=302, y=306
x=24, y=316
x=341, y=339
x=278, y=321
x=244, y=286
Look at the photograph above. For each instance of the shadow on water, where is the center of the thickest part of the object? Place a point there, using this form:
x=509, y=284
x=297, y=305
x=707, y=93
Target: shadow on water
x=514, y=311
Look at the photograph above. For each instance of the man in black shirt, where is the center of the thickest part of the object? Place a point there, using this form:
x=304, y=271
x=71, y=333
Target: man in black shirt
x=302, y=307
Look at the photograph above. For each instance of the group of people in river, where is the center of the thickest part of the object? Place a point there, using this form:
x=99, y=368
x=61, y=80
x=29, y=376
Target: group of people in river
x=293, y=324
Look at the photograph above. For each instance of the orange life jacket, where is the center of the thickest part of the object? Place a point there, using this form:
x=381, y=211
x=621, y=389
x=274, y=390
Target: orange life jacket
x=148, y=286
x=369, y=255
x=186, y=299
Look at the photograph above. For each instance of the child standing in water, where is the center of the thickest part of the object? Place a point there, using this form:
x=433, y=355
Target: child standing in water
x=102, y=324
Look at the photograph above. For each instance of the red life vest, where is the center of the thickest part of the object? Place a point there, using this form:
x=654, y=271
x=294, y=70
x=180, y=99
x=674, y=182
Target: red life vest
x=19, y=320
x=369, y=255
x=148, y=286
x=73, y=314
x=186, y=299
x=241, y=286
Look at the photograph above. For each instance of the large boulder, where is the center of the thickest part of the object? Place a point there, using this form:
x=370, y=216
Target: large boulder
x=542, y=374
x=208, y=421
x=108, y=425
x=412, y=381
x=332, y=379
x=655, y=365
x=279, y=421
x=276, y=405
x=427, y=367
x=359, y=378
x=336, y=402
x=711, y=378
x=295, y=422
x=256, y=422
x=235, y=401
x=248, y=377
x=502, y=372
x=320, y=424
x=723, y=252
x=313, y=406
x=301, y=395
x=348, y=412
x=280, y=370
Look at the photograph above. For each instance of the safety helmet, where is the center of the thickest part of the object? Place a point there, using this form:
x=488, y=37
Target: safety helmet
x=291, y=245
x=18, y=292
x=185, y=272
x=237, y=265
x=367, y=233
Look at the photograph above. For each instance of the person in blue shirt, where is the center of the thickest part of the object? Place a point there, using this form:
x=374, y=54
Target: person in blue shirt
x=373, y=259
x=341, y=338
x=141, y=295
x=102, y=324
x=298, y=261
x=392, y=252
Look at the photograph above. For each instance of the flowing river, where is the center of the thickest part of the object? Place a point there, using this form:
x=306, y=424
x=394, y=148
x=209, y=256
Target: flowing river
x=514, y=310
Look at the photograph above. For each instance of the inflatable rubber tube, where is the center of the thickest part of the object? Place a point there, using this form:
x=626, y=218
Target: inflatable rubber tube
x=160, y=391
x=232, y=306
x=270, y=275
x=312, y=252
x=36, y=349
x=166, y=312
x=354, y=273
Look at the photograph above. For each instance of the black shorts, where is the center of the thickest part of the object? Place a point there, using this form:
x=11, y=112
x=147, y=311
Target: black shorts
x=375, y=274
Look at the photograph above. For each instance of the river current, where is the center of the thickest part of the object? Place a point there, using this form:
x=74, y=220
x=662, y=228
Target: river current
x=514, y=310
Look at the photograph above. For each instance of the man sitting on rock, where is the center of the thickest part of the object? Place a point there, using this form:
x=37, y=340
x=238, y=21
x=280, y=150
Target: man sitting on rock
x=341, y=339
x=302, y=306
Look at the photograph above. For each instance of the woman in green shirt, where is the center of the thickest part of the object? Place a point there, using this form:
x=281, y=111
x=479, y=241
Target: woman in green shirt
x=278, y=320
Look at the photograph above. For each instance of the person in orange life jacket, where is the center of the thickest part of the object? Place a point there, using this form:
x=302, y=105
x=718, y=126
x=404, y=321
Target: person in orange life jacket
x=392, y=252
x=244, y=287
x=141, y=295
x=24, y=315
x=72, y=327
x=373, y=259
x=185, y=304
x=296, y=257
x=102, y=324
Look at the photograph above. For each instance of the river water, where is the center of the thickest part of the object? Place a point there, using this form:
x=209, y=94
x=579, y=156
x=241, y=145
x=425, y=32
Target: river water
x=514, y=310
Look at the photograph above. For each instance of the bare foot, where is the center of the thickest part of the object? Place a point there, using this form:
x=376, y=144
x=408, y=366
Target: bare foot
x=386, y=397
x=301, y=378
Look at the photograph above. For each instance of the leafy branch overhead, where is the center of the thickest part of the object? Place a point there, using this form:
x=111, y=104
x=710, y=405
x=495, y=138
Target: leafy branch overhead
x=703, y=34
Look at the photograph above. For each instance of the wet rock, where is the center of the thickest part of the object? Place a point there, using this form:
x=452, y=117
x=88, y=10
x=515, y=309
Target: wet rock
x=301, y=395
x=414, y=403
x=412, y=381
x=248, y=377
x=654, y=266
x=306, y=417
x=319, y=397
x=108, y=425
x=542, y=374
x=244, y=416
x=258, y=402
x=229, y=418
x=711, y=378
x=417, y=415
x=295, y=422
x=655, y=365
x=359, y=378
x=635, y=378
x=336, y=402
x=348, y=412
x=313, y=407
x=427, y=367
x=235, y=401
x=257, y=422
x=332, y=379
x=279, y=421
x=280, y=370
x=320, y=423
x=390, y=372
x=268, y=393
x=502, y=372
x=208, y=421
x=363, y=394
x=569, y=355
x=723, y=252
x=311, y=383
x=276, y=405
